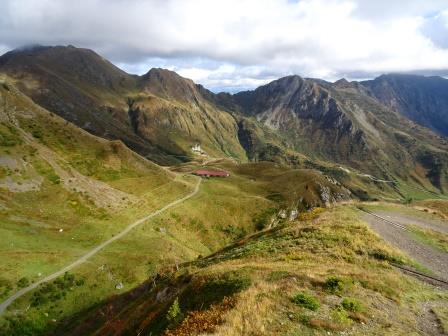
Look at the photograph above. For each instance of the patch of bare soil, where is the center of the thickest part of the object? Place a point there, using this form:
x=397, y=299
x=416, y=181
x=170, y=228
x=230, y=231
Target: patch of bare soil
x=429, y=323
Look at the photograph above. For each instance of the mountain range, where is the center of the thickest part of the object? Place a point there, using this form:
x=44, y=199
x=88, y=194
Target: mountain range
x=105, y=230
x=392, y=127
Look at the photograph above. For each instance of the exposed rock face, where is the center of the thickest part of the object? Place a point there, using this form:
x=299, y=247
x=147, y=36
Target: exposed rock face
x=342, y=122
x=293, y=98
x=421, y=99
x=307, y=113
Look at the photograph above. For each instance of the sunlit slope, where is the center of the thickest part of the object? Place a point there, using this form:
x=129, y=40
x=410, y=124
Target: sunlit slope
x=327, y=273
x=64, y=190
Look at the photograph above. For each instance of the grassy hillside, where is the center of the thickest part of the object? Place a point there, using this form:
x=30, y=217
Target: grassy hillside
x=159, y=115
x=437, y=206
x=324, y=274
x=65, y=191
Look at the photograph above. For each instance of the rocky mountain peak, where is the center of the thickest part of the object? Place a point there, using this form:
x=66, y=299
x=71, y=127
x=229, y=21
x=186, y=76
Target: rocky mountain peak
x=168, y=84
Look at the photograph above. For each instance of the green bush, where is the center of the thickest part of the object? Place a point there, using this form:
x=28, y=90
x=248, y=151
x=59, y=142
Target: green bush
x=9, y=136
x=306, y=301
x=351, y=305
x=5, y=287
x=174, y=313
x=23, y=282
x=278, y=275
x=20, y=326
x=334, y=285
x=37, y=133
x=55, y=290
x=234, y=232
x=385, y=256
x=55, y=179
x=262, y=220
x=341, y=316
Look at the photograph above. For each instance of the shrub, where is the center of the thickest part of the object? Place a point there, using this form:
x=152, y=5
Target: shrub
x=174, y=313
x=334, y=285
x=341, y=316
x=234, y=231
x=22, y=326
x=9, y=136
x=37, y=133
x=385, y=256
x=23, y=282
x=80, y=282
x=5, y=287
x=408, y=200
x=55, y=179
x=262, y=220
x=306, y=301
x=351, y=305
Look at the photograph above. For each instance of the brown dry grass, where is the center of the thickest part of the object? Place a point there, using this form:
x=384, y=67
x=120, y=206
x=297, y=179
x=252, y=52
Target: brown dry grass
x=252, y=313
x=203, y=321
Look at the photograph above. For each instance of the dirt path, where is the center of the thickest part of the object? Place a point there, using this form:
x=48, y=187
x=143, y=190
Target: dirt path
x=397, y=235
x=91, y=253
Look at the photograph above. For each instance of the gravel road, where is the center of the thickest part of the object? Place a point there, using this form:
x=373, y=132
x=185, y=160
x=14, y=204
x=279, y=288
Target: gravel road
x=405, y=219
x=431, y=258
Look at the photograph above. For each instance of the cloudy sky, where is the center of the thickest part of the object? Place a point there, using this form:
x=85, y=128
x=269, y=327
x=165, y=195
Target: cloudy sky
x=237, y=44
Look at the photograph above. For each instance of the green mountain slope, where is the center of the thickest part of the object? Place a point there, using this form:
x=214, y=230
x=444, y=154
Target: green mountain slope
x=160, y=115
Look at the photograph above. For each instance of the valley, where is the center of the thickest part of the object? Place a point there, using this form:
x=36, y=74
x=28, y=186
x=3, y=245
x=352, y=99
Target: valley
x=106, y=230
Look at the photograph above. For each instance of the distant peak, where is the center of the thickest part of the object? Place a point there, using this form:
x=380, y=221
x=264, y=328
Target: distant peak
x=342, y=81
x=29, y=48
x=162, y=73
x=291, y=77
x=165, y=75
x=167, y=83
x=37, y=49
x=287, y=80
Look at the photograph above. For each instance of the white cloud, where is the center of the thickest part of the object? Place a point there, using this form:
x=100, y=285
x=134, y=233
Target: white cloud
x=242, y=43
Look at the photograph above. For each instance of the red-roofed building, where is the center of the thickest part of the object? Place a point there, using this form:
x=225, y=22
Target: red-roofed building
x=211, y=173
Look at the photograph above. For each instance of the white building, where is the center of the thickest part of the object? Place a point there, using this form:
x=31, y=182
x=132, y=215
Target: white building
x=197, y=148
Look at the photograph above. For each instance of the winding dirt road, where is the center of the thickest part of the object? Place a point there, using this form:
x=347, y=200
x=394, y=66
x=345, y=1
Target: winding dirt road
x=91, y=253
